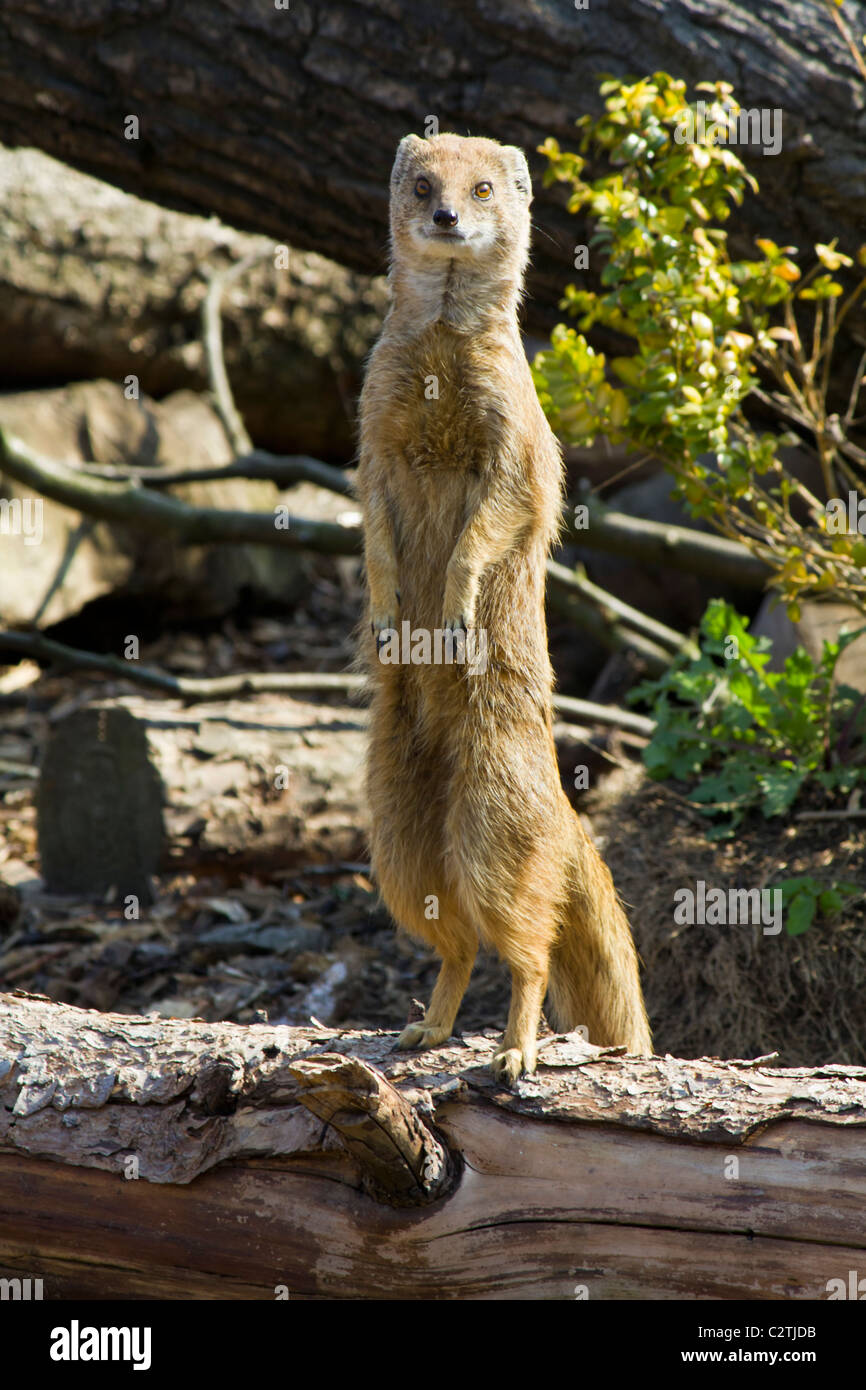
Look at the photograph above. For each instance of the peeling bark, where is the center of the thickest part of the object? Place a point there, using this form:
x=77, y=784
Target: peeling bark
x=272, y=1156
x=133, y=787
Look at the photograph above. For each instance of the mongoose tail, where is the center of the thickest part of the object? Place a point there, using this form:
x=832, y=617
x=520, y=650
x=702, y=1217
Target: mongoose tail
x=593, y=967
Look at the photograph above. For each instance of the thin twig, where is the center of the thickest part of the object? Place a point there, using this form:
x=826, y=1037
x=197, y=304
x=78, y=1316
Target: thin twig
x=847, y=36
x=252, y=683
x=281, y=469
x=182, y=687
x=856, y=387
x=212, y=334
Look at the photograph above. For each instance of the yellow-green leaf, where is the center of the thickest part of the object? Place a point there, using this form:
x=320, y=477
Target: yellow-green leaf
x=830, y=257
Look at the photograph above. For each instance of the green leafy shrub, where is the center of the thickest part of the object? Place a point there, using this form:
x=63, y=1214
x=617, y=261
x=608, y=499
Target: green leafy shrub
x=804, y=898
x=706, y=332
x=749, y=738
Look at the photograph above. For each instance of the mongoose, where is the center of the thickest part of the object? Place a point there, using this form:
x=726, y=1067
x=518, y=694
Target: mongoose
x=461, y=483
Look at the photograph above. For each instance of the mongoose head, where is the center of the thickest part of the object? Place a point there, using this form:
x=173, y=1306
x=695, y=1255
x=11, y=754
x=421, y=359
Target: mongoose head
x=464, y=199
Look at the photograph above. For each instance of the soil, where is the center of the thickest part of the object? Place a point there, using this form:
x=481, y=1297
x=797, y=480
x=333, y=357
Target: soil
x=318, y=943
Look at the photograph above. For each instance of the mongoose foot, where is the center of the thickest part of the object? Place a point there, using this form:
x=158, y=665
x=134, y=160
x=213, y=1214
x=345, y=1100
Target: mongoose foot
x=511, y=1062
x=422, y=1035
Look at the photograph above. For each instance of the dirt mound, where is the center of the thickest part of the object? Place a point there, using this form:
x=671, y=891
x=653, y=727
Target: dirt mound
x=732, y=990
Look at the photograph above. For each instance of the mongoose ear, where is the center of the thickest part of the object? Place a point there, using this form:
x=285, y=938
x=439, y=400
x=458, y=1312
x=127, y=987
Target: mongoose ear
x=519, y=169
x=410, y=145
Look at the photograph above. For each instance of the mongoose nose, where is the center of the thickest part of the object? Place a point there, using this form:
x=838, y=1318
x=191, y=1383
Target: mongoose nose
x=445, y=217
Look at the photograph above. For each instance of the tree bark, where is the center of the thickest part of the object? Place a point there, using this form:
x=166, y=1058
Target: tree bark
x=125, y=299
x=285, y=122
x=132, y=787
x=273, y=1161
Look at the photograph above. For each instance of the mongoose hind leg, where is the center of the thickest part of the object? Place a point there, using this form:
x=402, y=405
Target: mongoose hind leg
x=524, y=943
x=408, y=796
x=517, y=915
x=518, y=1051
x=438, y=1023
x=504, y=838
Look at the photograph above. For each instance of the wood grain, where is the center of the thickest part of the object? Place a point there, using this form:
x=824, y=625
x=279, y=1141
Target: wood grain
x=602, y=1176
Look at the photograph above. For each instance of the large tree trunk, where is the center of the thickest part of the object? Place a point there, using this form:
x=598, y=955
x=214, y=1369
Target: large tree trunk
x=284, y=121
x=125, y=298
x=147, y=1158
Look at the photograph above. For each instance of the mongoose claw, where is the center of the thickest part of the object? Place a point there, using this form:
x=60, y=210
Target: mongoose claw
x=379, y=625
x=422, y=1035
x=511, y=1062
x=462, y=623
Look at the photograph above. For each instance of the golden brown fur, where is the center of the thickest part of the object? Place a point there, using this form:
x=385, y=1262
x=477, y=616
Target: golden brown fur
x=462, y=495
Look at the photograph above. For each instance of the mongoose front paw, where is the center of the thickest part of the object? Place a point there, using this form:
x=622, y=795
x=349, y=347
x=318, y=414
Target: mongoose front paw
x=458, y=619
x=422, y=1035
x=511, y=1062
x=381, y=622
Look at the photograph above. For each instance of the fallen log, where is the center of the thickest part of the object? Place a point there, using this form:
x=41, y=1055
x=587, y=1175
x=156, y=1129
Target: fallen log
x=148, y=1158
x=55, y=558
x=132, y=787
x=291, y=130
x=125, y=297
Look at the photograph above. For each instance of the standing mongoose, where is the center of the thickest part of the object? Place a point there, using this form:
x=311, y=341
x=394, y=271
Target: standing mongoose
x=472, y=837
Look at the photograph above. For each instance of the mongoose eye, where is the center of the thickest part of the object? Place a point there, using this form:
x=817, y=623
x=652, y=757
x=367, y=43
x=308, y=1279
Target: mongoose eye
x=484, y=191
x=422, y=188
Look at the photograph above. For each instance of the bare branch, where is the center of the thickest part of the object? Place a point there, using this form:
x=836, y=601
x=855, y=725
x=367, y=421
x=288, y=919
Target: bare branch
x=590, y=713
x=282, y=469
x=185, y=687
x=33, y=644
x=133, y=505
x=678, y=547
x=576, y=581
x=611, y=632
